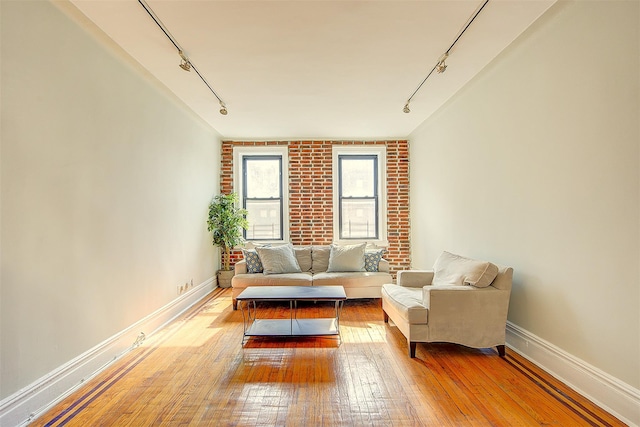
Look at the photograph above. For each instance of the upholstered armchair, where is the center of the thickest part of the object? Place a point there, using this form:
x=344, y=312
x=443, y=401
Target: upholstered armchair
x=461, y=301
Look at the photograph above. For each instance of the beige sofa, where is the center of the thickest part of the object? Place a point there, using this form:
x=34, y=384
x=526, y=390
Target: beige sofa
x=461, y=301
x=314, y=262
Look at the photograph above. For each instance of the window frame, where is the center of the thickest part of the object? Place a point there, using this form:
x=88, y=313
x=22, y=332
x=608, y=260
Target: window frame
x=380, y=152
x=239, y=155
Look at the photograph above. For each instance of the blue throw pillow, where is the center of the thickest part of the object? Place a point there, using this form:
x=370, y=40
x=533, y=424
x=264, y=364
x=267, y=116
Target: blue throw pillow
x=372, y=259
x=254, y=265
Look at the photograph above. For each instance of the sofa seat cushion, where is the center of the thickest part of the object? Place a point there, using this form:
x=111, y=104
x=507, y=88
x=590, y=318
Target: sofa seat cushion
x=288, y=279
x=351, y=279
x=407, y=302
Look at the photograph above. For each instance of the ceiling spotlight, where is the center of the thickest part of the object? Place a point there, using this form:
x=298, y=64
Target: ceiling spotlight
x=441, y=66
x=406, y=108
x=223, y=109
x=185, y=64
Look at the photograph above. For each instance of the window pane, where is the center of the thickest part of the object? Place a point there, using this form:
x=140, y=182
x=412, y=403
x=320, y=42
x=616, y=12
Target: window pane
x=263, y=178
x=358, y=177
x=358, y=219
x=264, y=220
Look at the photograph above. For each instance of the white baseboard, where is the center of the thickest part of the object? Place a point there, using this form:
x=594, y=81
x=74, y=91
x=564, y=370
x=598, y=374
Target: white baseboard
x=616, y=397
x=32, y=401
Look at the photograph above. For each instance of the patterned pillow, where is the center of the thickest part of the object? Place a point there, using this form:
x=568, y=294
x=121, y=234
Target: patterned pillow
x=372, y=259
x=254, y=265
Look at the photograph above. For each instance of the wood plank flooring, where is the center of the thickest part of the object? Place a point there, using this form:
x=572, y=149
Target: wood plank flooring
x=196, y=372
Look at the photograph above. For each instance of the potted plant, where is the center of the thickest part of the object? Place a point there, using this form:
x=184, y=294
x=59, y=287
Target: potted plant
x=226, y=221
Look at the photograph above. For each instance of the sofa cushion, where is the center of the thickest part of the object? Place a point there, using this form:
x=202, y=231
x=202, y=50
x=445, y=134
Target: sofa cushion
x=254, y=265
x=372, y=259
x=451, y=269
x=347, y=257
x=320, y=258
x=407, y=302
x=303, y=256
x=351, y=279
x=289, y=279
x=278, y=259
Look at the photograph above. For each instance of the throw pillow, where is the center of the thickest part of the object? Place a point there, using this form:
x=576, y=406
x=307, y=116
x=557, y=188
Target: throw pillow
x=347, y=258
x=451, y=269
x=320, y=258
x=303, y=256
x=278, y=259
x=372, y=259
x=254, y=265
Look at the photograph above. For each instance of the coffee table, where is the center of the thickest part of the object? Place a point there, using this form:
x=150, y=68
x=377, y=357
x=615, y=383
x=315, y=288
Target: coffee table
x=292, y=327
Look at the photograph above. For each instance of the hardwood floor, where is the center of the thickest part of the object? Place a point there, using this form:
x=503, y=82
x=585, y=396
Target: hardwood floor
x=196, y=372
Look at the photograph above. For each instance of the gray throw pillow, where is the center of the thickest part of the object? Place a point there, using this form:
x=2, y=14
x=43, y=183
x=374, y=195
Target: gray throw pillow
x=278, y=259
x=303, y=256
x=347, y=258
x=320, y=258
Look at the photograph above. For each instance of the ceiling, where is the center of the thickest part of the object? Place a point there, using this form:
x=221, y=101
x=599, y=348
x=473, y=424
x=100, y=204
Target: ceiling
x=313, y=69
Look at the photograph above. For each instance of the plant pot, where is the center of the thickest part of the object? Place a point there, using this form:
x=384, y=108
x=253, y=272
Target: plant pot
x=224, y=278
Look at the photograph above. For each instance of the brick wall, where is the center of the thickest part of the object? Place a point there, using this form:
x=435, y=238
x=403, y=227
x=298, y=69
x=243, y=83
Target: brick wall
x=311, y=193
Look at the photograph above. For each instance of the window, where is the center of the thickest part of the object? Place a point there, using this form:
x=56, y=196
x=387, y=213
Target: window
x=359, y=194
x=259, y=183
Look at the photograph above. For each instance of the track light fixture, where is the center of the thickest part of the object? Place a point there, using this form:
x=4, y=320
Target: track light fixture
x=186, y=63
x=441, y=66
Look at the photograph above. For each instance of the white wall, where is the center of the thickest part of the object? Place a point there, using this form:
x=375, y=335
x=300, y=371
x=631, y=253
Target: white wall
x=534, y=164
x=105, y=182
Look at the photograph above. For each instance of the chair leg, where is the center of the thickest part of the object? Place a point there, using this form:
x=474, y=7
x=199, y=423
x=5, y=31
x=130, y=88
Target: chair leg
x=501, y=350
x=412, y=349
x=386, y=316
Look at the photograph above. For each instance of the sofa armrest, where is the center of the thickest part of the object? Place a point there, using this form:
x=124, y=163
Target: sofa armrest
x=467, y=309
x=240, y=267
x=415, y=278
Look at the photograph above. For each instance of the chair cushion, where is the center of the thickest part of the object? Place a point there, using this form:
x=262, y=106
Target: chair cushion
x=451, y=269
x=407, y=301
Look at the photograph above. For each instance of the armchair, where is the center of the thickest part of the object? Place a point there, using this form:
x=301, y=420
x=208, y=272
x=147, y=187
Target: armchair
x=461, y=301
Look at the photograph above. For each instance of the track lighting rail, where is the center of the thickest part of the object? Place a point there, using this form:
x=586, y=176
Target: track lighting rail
x=441, y=66
x=186, y=63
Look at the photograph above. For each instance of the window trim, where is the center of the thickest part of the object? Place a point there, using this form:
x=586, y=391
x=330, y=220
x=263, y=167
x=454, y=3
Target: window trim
x=366, y=150
x=239, y=153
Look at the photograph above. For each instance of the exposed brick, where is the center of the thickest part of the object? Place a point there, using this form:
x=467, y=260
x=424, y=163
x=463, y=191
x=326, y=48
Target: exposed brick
x=310, y=192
